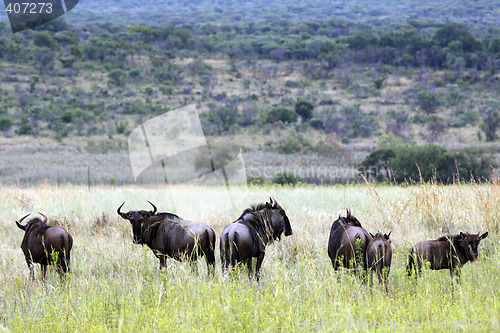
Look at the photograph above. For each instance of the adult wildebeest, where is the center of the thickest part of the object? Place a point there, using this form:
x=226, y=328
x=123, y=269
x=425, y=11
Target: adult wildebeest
x=379, y=256
x=45, y=244
x=446, y=252
x=168, y=235
x=248, y=236
x=347, y=242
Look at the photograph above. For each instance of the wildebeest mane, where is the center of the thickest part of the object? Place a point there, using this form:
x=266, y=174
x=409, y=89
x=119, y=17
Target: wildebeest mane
x=451, y=238
x=170, y=216
x=260, y=224
x=252, y=209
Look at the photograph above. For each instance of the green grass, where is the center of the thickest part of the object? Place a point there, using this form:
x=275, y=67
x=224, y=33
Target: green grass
x=115, y=285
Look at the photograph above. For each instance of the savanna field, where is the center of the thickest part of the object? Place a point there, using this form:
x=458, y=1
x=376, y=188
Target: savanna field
x=115, y=285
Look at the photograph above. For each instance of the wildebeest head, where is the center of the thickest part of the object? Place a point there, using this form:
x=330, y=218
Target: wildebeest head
x=279, y=219
x=136, y=218
x=470, y=243
x=382, y=236
x=30, y=222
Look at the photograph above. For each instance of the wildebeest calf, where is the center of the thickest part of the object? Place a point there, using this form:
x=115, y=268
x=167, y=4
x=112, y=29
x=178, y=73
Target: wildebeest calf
x=446, y=252
x=45, y=244
x=168, y=235
x=379, y=256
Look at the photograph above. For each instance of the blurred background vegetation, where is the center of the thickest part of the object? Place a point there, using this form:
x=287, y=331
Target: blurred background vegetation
x=407, y=89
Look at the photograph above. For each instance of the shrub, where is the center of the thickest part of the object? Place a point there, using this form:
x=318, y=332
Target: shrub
x=406, y=163
x=279, y=113
x=316, y=123
x=304, y=109
x=285, y=178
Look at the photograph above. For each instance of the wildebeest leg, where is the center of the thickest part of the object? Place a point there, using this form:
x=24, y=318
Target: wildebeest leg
x=455, y=276
x=163, y=261
x=32, y=269
x=260, y=258
x=44, y=271
x=194, y=267
x=249, y=265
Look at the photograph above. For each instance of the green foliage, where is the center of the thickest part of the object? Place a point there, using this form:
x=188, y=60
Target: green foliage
x=44, y=39
x=116, y=77
x=427, y=162
x=316, y=123
x=358, y=123
x=223, y=117
x=278, y=113
x=427, y=101
x=378, y=164
x=304, y=109
x=5, y=123
x=285, y=178
x=490, y=121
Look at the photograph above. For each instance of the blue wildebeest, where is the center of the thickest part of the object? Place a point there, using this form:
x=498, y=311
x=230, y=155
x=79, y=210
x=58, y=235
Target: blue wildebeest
x=446, y=252
x=45, y=244
x=347, y=243
x=168, y=235
x=248, y=236
x=379, y=257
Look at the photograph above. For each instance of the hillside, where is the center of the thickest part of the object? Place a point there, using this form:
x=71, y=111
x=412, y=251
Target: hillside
x=88, y=85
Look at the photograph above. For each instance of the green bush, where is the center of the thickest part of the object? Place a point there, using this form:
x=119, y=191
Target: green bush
x=316, y=123
x=279, y=113
x=407, y=163
x=5, y=123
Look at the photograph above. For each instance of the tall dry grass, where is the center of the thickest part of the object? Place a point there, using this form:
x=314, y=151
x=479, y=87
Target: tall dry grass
x=115, y=285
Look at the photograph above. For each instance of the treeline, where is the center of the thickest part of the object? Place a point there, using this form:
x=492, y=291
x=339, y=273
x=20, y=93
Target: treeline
x=439, y=46
x=414, y=163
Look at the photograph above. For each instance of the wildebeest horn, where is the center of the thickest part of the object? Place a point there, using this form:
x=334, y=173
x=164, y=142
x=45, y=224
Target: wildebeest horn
x=18, y=223
x=274, y=203
x=389, y=234
x=154, y=211
x=119, y=210
x=348, y=212
x=44, y=217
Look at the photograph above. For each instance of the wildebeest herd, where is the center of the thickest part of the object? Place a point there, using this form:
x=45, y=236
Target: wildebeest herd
x=169, y=235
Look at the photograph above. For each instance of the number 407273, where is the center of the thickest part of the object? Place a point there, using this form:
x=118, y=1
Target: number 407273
x=29, y=8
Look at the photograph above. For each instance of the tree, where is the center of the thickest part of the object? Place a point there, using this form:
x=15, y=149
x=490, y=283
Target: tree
x=427, y=101
x=116, y=76
x=5, y=124
x=279, y=113
x=304, y=109
x=43, y=39
x=490, y=119
x=224, y=117
x=376, y=162
x=406, y=163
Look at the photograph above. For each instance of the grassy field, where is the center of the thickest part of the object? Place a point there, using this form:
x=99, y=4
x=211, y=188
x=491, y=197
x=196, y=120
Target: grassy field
x=115, y=285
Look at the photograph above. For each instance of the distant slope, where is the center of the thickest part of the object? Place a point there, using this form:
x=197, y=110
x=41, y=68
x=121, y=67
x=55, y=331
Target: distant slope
x=482, y=12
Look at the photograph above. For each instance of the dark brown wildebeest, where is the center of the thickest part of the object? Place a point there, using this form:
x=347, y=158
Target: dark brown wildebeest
x=45, y=244
x=446, y=252
x=347, y=243
x=379, y=257
x=248, y=236
x=168, y=235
